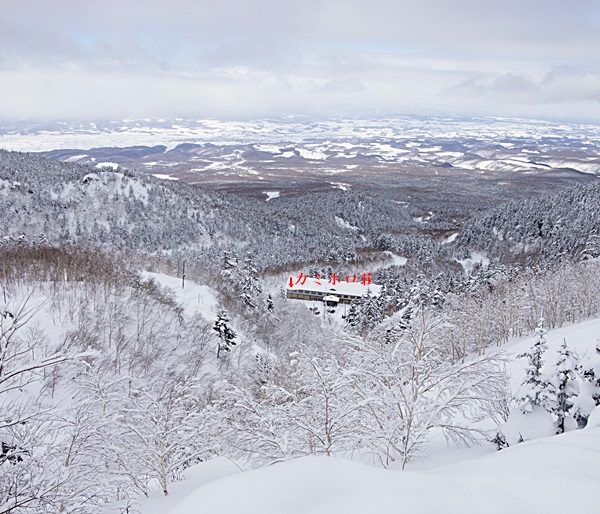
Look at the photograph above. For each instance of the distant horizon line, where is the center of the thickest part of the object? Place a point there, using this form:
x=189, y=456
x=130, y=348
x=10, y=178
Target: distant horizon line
x=298, y=117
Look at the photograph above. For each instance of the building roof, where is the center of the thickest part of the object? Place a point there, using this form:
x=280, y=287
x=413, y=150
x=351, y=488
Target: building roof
x=340, y=288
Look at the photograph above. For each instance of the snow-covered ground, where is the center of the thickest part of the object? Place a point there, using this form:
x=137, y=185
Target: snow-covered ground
x=193, y=297
x=552, y=475
x=547, y=475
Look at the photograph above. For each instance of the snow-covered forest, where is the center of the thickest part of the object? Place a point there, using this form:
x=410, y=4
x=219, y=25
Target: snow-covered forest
x=119, y=376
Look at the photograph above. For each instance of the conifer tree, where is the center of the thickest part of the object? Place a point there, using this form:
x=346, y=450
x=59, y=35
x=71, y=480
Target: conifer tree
x=269, y=305
x=228, y=260
x=565, y=386
x=249, y=282
x=370, y=312
x=352, y=316
x=225, y=333
x=534, y=389
x=588, y=368
x=591, y=374
x=500, y=441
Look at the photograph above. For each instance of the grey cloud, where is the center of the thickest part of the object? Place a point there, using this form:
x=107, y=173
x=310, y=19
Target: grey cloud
x=566, y=84
x=511, y=83
x=342, y=86
x=256, y=56
x=461, y=27
x=494, y=84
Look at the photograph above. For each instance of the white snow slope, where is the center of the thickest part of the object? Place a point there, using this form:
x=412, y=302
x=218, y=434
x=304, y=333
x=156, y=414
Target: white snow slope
x=551, y=475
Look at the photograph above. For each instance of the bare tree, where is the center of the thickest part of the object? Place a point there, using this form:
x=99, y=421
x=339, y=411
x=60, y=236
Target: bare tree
x=411, y=386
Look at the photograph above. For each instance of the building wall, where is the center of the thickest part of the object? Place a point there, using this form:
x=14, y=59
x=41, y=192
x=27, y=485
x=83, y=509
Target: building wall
x=313, y=296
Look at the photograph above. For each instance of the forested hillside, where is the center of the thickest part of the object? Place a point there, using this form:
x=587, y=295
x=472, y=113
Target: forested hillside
x=43, y=200
x=49, y=201
x=547, y=228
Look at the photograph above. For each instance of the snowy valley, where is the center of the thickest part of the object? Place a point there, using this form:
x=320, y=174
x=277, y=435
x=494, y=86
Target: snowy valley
x=150, y=361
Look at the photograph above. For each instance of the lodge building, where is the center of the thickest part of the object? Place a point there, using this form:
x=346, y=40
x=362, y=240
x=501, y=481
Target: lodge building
x=314, y=289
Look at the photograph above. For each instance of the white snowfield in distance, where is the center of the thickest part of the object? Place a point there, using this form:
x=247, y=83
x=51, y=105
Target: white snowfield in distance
x=495, y=144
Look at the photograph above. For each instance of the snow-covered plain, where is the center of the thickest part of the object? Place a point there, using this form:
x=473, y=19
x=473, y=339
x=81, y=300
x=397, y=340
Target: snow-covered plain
x=495, y=145
x=270, y=132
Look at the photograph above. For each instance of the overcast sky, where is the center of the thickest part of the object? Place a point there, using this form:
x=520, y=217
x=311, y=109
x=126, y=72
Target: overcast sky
x=83, y=59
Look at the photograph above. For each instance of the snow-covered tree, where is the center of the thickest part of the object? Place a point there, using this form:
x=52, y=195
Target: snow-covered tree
x=367, y=313
x=565, y=387
x=158, y=432
x=251, y=428
x=412, y=386
x=36, y=477
x=352, y=315
x=269, y=304
x=500, y=441
x=306, y=404
x=592, y=374
x=327, y=410
x=248, y=280
x=46, y=466
x=535, y=389
x=589, y=395
x=225, y=333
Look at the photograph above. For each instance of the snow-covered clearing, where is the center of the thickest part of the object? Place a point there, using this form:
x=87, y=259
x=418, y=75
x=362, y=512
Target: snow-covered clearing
x=193, y=297
x=340, y=185
x=450, y=239
x=476, y=258
x=75, y=158
x=397, y=260
x=344, y=224
x=271, y=195
x=162, y=176
x=112, y=165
